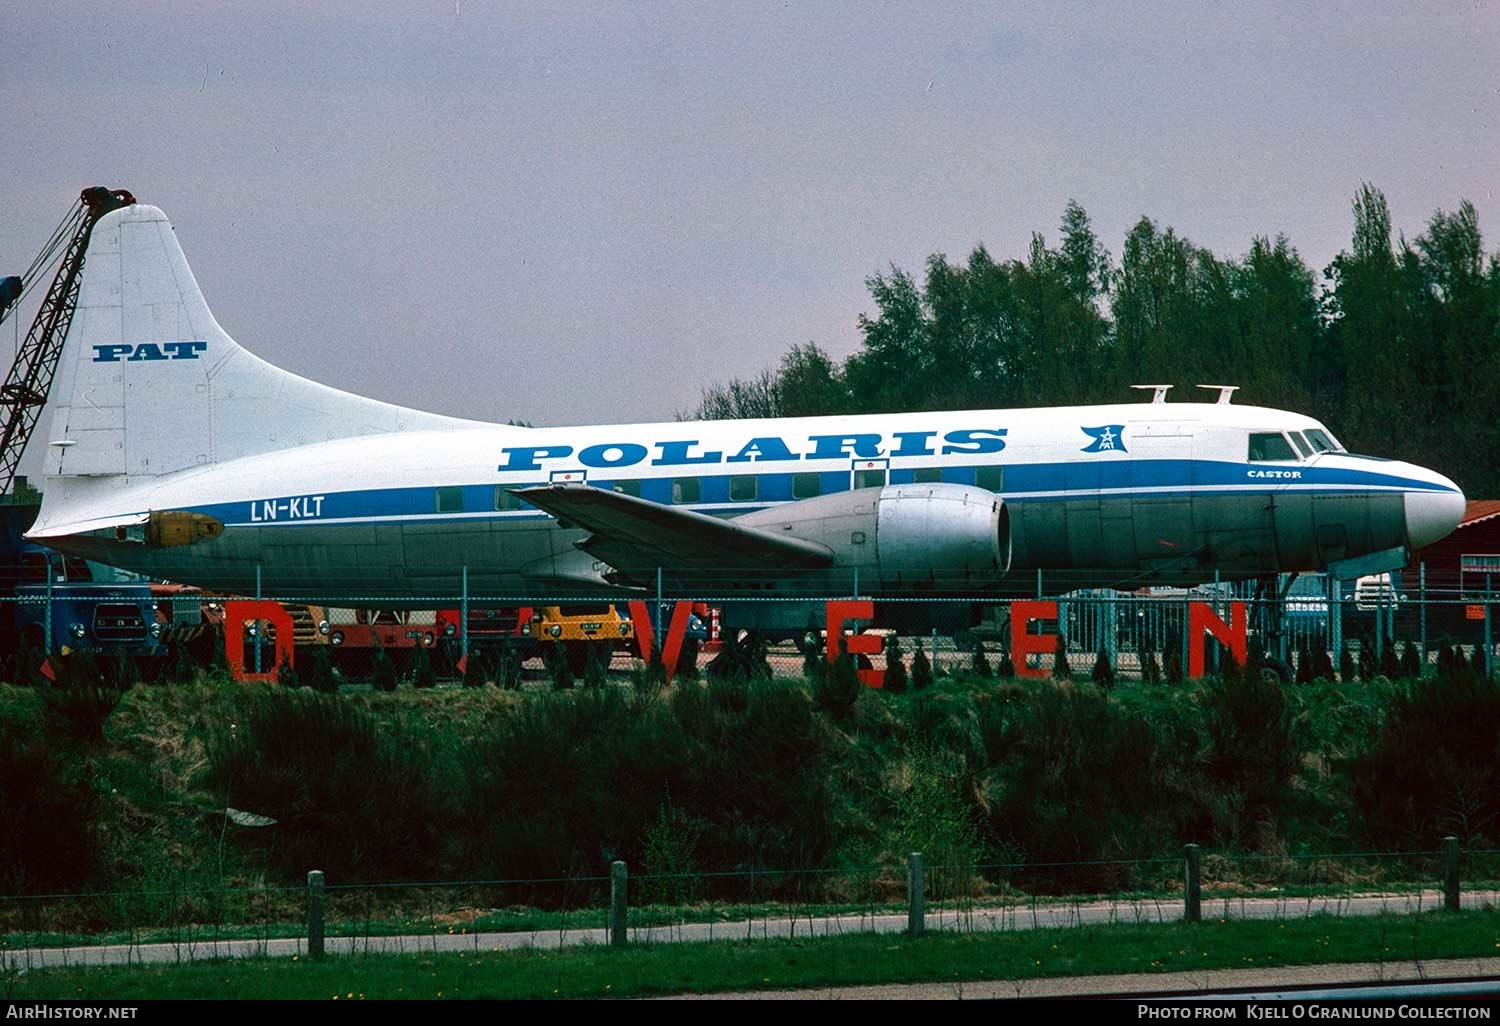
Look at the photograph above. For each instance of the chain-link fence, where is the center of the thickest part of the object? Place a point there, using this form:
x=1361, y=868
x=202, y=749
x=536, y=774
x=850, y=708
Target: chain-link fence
x=1295, y=628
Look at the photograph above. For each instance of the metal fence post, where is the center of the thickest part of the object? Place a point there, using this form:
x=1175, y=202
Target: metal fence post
x=463, y=619
x=916, y=896
x=1192, y=894
x=1422, y=586
x=315, y=913
x=619, y=908
x=47, y=639
x=1450, y=873
x=239, y=629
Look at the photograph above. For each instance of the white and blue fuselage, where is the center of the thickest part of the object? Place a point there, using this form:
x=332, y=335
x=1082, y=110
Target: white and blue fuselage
x=164, y=424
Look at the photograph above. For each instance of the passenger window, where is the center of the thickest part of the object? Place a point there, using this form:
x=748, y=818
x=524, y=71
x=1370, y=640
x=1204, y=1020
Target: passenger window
x=1270, y=446
x=991, y=478
x=928, y=475
x=686, y=489
x=805, y=486
x=742, y=488
x=869, y=478
x=450, y=500
x=1301, y=444
x=628, y=488
x=505, y=502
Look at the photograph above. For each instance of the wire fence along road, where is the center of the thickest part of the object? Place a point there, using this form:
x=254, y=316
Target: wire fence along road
x=938, y=902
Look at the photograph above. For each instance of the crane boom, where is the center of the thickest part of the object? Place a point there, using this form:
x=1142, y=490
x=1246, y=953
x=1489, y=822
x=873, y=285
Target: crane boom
x=30, y=379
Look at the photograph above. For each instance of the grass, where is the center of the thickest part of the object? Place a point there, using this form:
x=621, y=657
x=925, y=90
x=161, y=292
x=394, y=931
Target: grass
x=646, y=970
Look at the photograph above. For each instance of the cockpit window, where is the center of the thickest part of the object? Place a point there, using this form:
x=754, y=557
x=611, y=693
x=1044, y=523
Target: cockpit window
x=1270, y=446
x=1301, y=444
x=1322, y=441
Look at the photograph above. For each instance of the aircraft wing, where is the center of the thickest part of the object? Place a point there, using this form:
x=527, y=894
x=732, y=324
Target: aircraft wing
x=632, y=534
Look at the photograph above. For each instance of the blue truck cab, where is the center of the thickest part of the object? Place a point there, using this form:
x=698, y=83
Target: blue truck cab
x=80, y=606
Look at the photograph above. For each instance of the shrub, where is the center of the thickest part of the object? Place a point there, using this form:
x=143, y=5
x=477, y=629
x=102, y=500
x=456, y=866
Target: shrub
x=474, y=676
x=286, y=674
x=933, y=817
x=1346, y=663
x=1411, y=661
x=49, y=842
x=596, y=665
x=1322, y=665
x=1390, y=666
x=382, y=671
x=981, y=662
x=422, y=675
x=1007, y=668
x=921, y=669
x=1103, y=673
x=508, y=670
x=895, y=667
x=1366, y=662
x=1061, y=668
x=351, y=794
x=76, y=711
x=556, y=662
x=320, y=673
x=1150, y=668
x=836, y=691
x=1435, y=768
x=1251, y=757
x=1074, y=776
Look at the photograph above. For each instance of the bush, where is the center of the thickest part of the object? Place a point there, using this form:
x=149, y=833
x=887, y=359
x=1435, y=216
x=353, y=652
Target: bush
x=1251, y=757
x=981, y=662
x=508, y=670
x=1074, y=776
x=1390, y=666
x=77, y=711
x=933, y=816
x=1007, y=668
x=1435, y=768
x=1411, y=661
x=286, y=674
x=895, y=667
x=382, y=671
x=49, y=842
x=474, y=676
x=1346, y=663
x=1060, y=668
x=1103, y=673
x=422, y=675
x=1322, y=665
x=596, y=665
x=836, y=690
x=556, y=662
x=320, y=673
x=921, y=669
x=351, y=794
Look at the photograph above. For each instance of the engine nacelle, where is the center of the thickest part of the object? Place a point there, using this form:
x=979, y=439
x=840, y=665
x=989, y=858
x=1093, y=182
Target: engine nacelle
x=924, y=537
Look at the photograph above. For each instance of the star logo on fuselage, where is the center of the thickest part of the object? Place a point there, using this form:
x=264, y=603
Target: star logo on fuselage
x=1105, y=439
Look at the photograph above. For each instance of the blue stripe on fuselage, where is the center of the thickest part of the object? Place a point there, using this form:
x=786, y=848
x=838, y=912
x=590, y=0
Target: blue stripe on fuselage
x=1033, y=482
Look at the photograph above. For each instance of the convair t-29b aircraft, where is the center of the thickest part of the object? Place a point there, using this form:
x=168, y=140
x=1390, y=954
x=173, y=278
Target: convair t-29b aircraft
x=178, y=454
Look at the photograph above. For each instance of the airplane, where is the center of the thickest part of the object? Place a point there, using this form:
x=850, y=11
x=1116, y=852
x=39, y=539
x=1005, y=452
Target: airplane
x=175, y=453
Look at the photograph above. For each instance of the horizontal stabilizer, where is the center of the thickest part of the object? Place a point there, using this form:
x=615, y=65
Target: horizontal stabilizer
x=624, y=526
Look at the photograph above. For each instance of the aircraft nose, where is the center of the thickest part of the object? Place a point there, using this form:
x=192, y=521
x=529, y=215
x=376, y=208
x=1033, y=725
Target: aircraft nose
x=1433, y=514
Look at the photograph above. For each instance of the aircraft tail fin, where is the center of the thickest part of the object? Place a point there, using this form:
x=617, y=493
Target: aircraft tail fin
x=149, y=384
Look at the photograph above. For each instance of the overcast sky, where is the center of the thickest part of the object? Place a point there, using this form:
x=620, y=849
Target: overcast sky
x=571, y=213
